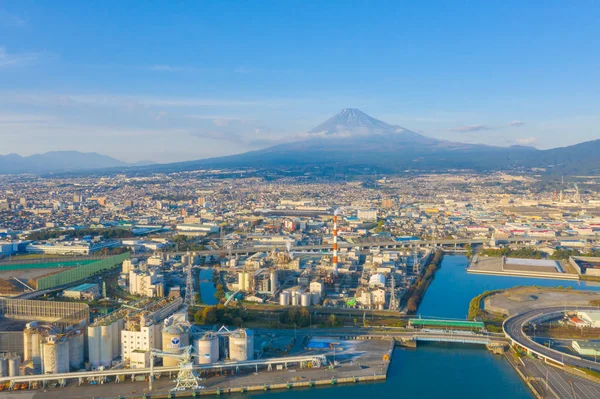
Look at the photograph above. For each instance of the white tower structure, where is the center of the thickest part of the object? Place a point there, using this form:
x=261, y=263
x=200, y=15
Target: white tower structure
x=335, y=243
x=189, y=286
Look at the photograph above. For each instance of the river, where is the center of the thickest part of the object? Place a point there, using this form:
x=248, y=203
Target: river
x=207, y=287
x=441, y=370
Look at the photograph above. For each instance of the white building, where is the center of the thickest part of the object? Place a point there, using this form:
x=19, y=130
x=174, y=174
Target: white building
x=139, y=359
x=150, y=284
x=316, y=287
x=149, y=337
x=591, y=317
x=367, y=215
x=205, y=228
x=70, y=247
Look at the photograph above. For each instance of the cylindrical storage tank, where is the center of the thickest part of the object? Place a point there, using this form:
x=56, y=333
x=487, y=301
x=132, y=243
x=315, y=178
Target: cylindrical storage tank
x=295, y=298
x=31, y=345
x=115, y=338
x=305, y=299
x=14, y=364
x=238, y=346
x=284, y=298
x=207, y=349
x=94, y=346
x=3, y=367
x=76, y=350
x=173, y=339
x=274, y=281
x=106, y=349
x=55, y=355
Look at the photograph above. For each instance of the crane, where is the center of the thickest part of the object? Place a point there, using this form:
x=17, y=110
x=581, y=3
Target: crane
x=187, y=378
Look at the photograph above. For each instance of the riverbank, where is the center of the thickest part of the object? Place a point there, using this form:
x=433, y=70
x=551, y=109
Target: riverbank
x=415, y=293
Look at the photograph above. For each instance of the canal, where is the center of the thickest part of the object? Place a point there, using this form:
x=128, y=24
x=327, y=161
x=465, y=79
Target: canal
x=207, y=287
x=442, y=370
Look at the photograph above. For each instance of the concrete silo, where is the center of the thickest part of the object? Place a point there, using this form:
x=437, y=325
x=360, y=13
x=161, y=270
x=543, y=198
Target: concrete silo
x=106, y=345
x=14, y=366
x=206, y=349
x=76, y=349
x=55, y=355
x=3, y=367
x=94, y=345
x=305, y=299
x=241, y=345
x=284, y=298
x=174, y=338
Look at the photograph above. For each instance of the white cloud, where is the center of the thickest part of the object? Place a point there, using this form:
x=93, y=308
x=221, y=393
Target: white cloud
x=470, y=128
x=111, y=100
x=516, y=123
x=17, y=59
x=526, y=140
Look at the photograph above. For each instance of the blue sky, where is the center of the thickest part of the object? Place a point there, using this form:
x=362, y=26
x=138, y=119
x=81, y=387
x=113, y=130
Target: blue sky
x=178, y=80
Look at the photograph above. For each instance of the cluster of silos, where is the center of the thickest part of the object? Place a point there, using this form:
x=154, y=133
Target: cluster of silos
x=55, y=355
x=10, y=366
x=174, y=338
x=206, y=349
x=104, y=342
x=241, y=345
x=76, y=349
x=32, y=341
x=295, y=298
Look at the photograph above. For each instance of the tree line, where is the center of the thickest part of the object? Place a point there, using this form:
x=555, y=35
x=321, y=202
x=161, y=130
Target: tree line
x=415, y=293
x=108, y=233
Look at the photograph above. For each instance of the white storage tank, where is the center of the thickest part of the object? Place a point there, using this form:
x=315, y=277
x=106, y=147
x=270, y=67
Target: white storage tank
x=55, y=355
x=241, y=345
x=3, y=367
x=174, y=338
x=76, y=358
x=14, y=365
x=274, y=281
x=115, y=339
x=31, y=345
x=207, y=349
x=295, y=298
x=284, y=298
x=94, y=345
x=106, y=349
x=305, y=299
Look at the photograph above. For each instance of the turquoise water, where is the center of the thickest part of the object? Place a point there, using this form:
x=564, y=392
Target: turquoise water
x=441, y=370
x=453, y=288
x=207, y=288
x=431, y=371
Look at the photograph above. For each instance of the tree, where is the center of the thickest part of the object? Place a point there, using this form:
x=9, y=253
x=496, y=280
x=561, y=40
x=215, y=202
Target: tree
x=209, y=315
x=332, y=321
x=220, y=292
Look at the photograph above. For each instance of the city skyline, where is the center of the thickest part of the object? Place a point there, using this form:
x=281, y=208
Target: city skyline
x=195, y=80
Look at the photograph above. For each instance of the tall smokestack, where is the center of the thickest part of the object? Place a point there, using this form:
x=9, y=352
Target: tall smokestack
x=335, y=245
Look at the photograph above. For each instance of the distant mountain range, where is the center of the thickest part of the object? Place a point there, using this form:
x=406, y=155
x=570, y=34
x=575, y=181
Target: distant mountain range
x=58, y=161
x=347, y=142
x=352, y=140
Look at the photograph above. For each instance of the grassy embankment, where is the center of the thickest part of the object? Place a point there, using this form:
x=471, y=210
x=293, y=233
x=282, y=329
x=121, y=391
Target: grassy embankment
x=493, y=322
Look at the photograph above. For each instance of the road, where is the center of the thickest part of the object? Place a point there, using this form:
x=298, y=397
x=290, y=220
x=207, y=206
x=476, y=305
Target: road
x=513, y=328
x=563, y=385
x=383, y=244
